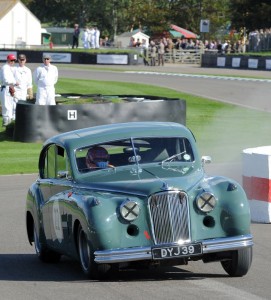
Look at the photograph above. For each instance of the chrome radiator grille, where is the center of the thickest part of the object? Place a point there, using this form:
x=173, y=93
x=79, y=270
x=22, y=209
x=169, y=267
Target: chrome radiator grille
x=170, y=217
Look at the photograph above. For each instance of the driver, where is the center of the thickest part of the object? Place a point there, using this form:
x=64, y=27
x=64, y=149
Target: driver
x=97, y=157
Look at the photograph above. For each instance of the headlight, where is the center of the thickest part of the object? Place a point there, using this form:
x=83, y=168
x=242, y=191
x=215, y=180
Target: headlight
x=206, y=202
x=129, y=210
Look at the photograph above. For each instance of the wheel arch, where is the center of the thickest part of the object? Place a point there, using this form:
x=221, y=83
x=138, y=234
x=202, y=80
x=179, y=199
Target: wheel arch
x=29, y=227
x=75, y=234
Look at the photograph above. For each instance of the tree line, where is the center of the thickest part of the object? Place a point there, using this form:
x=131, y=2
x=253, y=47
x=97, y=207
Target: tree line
x=154, y=16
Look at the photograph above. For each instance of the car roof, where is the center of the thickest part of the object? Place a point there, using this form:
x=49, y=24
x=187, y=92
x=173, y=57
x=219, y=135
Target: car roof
x=104, y=133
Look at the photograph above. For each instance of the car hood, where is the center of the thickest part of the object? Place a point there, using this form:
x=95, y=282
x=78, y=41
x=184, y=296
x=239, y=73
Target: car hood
x=145, y=180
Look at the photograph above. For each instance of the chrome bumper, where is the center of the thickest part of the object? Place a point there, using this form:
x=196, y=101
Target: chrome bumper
x=145, y=253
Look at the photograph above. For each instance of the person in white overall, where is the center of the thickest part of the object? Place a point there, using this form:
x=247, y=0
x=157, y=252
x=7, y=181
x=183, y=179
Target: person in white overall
x=23, y=76
x=8, y=82
x=45, y=77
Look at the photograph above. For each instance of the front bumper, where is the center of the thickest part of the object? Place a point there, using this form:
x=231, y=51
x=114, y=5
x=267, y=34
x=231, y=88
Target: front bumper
x=145, y=253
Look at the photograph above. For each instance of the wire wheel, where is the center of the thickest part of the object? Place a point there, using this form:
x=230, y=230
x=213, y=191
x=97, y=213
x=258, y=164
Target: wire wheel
x=84, y=251
x=86, y=256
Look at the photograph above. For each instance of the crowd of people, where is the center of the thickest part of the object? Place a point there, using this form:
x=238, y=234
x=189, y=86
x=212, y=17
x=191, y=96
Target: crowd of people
x=155, y=51
x=157, y=48
x=16, y=84
x=259, y=40
x=90, y=37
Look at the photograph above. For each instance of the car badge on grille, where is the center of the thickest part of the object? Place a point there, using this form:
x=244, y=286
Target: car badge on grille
x=165, y=187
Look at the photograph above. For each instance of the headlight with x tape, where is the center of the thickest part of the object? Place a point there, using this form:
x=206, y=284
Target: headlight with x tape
x=129, y=210
x=206, y=201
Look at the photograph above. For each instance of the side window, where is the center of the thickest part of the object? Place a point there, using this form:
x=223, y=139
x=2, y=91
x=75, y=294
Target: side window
x=55, y=161
x=51, y=162
x=60, y=159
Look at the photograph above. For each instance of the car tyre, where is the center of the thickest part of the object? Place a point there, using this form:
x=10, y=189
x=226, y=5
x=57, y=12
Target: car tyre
x=44, y=254
x=86, y=256
x=239, y=264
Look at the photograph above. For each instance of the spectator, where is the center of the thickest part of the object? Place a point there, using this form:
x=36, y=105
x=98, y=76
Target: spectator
x=145, y=52
x=97, y=38
x=91, y=37
x=106, y=42
x=238, y=47
x=85, y=38
x=23, y=76
x=161, y=53
x=46, y=77
x=165, y=42
x=132, y=42
x=137, y=44
x=225, y=47
x=219, y=47
x=153, y=51
x=171, y=50
x=183, y=44
x=75, y=37
x=190, y=44
x=8, y=82
x=178, y=44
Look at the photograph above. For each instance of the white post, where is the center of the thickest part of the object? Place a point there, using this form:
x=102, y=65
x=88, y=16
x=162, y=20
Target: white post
x=257, y=182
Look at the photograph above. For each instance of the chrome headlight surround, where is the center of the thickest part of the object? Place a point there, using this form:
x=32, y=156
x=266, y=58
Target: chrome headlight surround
x=206, y=201
x=129, y=210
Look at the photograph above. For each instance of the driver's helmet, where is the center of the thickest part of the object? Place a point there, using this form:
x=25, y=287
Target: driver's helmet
x=97, y=157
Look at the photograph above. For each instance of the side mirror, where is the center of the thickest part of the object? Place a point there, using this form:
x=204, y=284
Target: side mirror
x=206, y=160
x=63, y=174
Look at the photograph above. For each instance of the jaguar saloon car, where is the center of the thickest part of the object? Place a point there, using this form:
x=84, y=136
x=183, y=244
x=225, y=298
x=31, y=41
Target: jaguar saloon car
x=135, y=195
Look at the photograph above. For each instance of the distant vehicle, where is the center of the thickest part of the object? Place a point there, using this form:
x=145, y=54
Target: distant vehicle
x=135, y=194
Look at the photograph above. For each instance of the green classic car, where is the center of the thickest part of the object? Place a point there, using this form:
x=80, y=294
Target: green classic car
x=135, y=195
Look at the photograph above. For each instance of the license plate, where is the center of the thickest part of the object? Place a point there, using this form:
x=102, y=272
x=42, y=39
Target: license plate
x=176, y=251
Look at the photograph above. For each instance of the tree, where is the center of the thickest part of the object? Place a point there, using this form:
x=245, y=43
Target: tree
x=188, y=13
x=250, y=14
x=117, y=16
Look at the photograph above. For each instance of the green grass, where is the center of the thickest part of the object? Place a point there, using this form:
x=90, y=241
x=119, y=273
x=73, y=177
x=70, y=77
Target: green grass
x=221, y=130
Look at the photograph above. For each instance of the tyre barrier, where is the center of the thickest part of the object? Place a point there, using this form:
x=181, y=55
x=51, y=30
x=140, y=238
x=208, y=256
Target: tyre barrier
x=249, y=62
x=36, y=123
x=257, y=182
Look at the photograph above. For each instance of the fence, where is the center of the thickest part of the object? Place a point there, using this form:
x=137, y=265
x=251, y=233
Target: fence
x=259, y=41
x=189, y=56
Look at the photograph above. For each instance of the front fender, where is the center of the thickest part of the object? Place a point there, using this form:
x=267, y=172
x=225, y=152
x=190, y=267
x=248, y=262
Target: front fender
x=107, y=229
x=231, y=215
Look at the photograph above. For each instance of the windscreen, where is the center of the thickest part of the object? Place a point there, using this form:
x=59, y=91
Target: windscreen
x=145, y=150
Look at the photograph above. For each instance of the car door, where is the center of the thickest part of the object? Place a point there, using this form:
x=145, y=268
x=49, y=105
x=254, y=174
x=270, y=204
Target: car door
x=53, y=184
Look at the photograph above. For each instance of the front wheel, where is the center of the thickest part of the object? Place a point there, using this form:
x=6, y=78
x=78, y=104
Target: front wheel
x=239, y=264
x=86, y=256
x=42, y=252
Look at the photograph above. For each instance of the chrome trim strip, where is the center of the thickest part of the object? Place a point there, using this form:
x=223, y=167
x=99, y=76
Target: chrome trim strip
x=123, y=255
x=145, y=253
x=227, y=244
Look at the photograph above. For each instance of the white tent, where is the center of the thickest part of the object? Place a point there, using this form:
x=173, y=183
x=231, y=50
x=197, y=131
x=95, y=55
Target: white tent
x=123, y=40
x=18, y=26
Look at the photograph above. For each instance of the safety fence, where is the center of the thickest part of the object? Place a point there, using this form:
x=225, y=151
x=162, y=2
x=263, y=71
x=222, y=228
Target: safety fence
x=258, y=42
x=189, y=56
